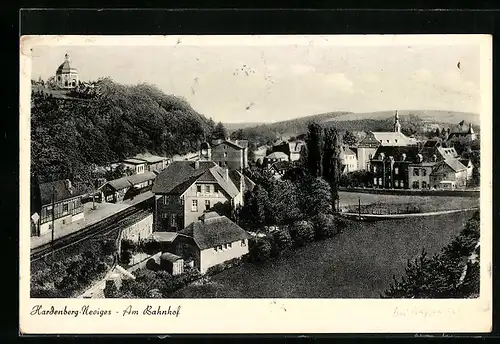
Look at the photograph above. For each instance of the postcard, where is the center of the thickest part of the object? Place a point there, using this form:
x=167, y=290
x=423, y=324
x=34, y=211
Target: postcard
x=255, y=184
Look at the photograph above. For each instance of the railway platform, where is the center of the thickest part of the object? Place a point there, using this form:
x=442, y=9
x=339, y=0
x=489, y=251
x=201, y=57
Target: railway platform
x=91, y=216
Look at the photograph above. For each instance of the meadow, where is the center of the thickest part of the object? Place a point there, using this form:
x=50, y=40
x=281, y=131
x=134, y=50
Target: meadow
x=359, y=263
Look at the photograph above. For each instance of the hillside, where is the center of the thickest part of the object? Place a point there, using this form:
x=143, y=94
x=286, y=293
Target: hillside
x=115, y=122
x=431, y=116
x=235, y=126
x=299, y=125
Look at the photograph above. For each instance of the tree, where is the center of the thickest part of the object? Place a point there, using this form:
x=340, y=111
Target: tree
x=219, y=132
x=331, y=162
x=452, y=273
x=437, y=133
x=302, y=232
x=254, y=213
x=349, y=138
x=284, y=205
x=315, y=150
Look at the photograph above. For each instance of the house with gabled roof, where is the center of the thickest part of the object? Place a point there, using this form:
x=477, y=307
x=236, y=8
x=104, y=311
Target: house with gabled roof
x=185, y=190
x=348, y=160
x=211, y=240
x=449, y=174
x=59, y=204
x=232, y=154
x=126, y=187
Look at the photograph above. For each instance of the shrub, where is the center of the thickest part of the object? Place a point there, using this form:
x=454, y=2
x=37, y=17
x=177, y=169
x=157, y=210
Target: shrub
x=302, y=232
x=223, y=266
x=150, y=246
x=260, y=249
x=324, y=226
x=282, y=241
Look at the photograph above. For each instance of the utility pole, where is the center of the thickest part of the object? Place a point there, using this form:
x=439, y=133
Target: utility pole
x=359, y=207
x=53, y=218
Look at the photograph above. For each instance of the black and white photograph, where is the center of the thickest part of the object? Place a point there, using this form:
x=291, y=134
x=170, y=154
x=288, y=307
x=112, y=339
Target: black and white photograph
x=297, y=167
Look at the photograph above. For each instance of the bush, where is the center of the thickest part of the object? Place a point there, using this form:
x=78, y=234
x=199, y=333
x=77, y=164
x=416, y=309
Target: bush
x=260, y=249
x=223, y=266
x=150, y=246
x=282, y=241
x=302, y=232
x=324, y=226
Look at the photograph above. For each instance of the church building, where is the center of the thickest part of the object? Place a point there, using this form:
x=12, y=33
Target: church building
x=66, y=76
x=372, y=140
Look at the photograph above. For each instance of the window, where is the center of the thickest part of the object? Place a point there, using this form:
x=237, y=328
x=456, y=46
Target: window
x=416, y=172
x=243, y=242
x=65, y=208
x=216, y=188
x=230, y=245
x=219, y=247
x=182, y=200
x=165, y=200
x=387, y=141
x=396, y=140
x=370, y=156
x=207, y=204
x=173, y=220
x=375, y=181
x=396, y=183
x=415, y=184
x=380, y=181
x=207, y=188
x=424, y=172
x=424, y=185
x=225, y=246
x=374, y=169
x=225, y=154
x=198, y=188
x=194, y=205
x=396, y=170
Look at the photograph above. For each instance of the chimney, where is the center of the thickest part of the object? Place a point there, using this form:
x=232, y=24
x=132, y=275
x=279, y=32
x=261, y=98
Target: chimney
x=197, y=164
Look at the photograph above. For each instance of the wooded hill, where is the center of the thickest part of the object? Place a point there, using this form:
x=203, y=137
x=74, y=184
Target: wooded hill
x=107, y=122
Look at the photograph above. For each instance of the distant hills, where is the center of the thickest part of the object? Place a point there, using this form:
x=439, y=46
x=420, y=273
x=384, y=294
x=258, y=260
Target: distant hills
x=374, y=121
x=430, y=116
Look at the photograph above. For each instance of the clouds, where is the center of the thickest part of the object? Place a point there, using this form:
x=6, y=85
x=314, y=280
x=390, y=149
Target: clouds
x=339, y=82
x=451, y=81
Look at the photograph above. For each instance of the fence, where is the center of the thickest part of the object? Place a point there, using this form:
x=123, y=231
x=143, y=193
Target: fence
x=383, y=209
x=409, y=192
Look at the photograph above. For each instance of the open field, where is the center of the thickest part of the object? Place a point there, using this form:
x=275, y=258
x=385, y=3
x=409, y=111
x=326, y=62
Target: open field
x=359, y=263
x=425, y=203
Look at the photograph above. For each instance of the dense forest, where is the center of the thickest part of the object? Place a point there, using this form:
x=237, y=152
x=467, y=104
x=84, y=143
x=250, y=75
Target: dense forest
x=102, y=122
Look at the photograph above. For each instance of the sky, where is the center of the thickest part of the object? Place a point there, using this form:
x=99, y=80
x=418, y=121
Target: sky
x=273, y=83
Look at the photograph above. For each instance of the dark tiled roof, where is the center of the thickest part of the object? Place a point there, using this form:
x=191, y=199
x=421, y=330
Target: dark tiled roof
x=242, y=143
x=61, y=191
x=120, y=183
x=455, y=165
x=214, y=231
x=177, y=173
x=397, y=152
x=369, y=141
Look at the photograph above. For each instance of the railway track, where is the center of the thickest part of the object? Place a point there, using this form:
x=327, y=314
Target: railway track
x=116, y=222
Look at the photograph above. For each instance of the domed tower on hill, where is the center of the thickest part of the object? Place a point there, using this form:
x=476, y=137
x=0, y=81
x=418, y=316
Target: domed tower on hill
x=66, y=76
